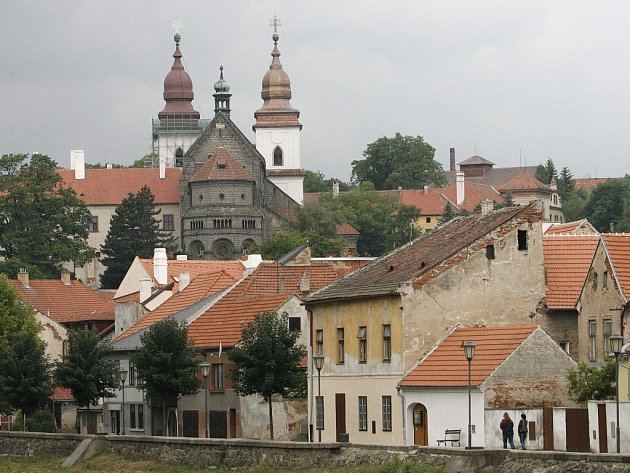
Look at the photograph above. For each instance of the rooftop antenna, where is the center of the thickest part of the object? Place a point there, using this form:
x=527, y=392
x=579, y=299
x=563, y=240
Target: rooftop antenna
x=475, y=147
x=520, y=158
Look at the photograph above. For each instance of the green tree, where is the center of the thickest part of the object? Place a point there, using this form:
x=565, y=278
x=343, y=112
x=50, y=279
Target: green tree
x=149, y=160
x=566, y=184
x=166, y=364
x=546, y=172
x=405, y=161
x=134, y=231
x=267, y=359
x=448, y=213
x=315, y=181
x=42, y=222
x=574, y=206
x=591, y=383
x=85, y=370
x=607, y=203
x=102, y=166
x=16, y=316
x=279, y=244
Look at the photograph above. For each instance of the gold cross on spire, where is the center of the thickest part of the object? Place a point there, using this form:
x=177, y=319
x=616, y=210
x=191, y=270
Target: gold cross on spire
x=275, y=22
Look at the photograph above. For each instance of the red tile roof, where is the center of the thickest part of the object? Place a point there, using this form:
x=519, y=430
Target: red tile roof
x=346, y=229
x=567, y=260
x=429, y=203
x=65, y=304
x=578, y=227
x=589, y=183
x=62, y=394
x=111, y=186
x=522, y=182
x=618, y=246
x=221, y=166
x=446, y=366
x=474, y=194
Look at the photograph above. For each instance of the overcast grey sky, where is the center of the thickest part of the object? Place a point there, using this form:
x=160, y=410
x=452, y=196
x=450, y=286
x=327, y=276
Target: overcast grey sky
x=514, y=81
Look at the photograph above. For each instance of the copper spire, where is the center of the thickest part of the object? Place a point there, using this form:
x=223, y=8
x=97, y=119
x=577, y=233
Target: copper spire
x=178, y=89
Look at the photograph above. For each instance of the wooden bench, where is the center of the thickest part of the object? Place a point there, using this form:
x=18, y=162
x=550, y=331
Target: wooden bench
x=451, y=435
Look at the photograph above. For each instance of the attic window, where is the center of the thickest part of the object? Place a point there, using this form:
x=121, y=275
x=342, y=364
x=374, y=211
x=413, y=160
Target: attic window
x=565, y=346
x=490, y=251
x=522, y=240
x=221, y=163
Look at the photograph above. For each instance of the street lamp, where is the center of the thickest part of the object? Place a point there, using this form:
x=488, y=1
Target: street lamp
x=205, y=370
x=122, y=372
x=318, y=361
x=469, y=351
x=615, y=342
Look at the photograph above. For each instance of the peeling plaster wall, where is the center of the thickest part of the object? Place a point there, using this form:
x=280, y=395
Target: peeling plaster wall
x=53, y=334
x=289, y=418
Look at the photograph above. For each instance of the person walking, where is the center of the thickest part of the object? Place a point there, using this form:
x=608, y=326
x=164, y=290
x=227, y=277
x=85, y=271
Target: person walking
x=522, y=431
x=507, y=427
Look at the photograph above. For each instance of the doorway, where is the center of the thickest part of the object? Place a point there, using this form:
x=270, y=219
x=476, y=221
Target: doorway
x=340, y=415
x=420, y=425
x=171, y=424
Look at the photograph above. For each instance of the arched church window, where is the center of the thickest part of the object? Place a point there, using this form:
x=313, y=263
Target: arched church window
x=278, y=158
x=179, y=154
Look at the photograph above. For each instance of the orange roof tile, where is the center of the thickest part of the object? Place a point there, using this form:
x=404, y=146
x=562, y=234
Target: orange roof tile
x=64, y=304
x=567, y=262
x=589, y=183
x=232, y=268
x=474, y=194
x=429, y=203
x=346, y=229
x=618, y=247
x=579, y=226
x=62, y=394
x=446, y=366
x=111, y=186
x=524, y=181
x=221, y=166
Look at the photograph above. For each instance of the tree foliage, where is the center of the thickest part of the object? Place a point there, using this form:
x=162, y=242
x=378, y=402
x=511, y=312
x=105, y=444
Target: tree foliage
x=609, y=203
x=315, y=181
x=279, y=244
x=546, y=172
x=267, y=359
x=566, y=184
x=134, y=231
x=149, y=160
x=42, y=222
x=591, y=383
x=404, y=161
x=85, y=370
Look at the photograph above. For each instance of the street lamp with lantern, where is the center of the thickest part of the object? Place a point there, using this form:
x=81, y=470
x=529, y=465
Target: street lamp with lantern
x=122, y=372
x=615, y=342
x=469, y=352
x=318, y=361
x=205, y=370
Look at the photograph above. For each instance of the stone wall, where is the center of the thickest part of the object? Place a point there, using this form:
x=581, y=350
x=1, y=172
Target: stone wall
x=38, y=444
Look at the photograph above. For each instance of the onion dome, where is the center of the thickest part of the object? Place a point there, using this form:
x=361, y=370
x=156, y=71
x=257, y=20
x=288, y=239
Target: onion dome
x=221, y=86
x=178, y=89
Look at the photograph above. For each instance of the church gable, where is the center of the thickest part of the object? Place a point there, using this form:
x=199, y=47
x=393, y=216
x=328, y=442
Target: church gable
x=221, y=166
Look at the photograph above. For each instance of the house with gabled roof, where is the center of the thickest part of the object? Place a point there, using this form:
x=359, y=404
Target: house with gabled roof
x=573, y=228
x=513, y=369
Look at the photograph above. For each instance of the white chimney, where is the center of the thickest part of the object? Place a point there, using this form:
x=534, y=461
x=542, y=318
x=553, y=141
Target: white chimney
x=145, y=289
x=426, y=189
x=182, y=257
x=162, y=167
x=184, y=280
x=160, y=265
x=65, y=277
x=460, y=188
x=252, y=261
x=486, y=206
x=77, y=162
x=335, y=189
x=108, y=165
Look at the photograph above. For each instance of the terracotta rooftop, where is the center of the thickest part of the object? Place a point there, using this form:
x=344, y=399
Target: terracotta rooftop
x=410, y=262
x=66, y=304
x=346, y=229
x=589, y=183
x=618, y=246
x=221, y=166
x=429, y=203
x=494, y=177
x=474, y=194
x=578, y=227
x=111, y=186
x=524, y=181
x=446, y=366
x=62, y=394
x=567, y=260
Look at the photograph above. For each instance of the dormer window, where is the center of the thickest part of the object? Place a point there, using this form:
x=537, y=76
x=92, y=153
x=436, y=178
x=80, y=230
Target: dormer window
x=221, y=163
x=278, y=158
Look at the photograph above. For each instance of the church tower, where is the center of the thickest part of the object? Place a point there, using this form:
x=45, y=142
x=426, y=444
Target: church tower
x=178, y=125
x=278, y=128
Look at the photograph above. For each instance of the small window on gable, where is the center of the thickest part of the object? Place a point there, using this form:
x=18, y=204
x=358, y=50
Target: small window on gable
x=605, y=280
x=565, y=346
x=490, y=251
x=595, y=278
x=522, y=240
x=179, y=154
x=278, y=158
x=428, y=220
x=221, y=163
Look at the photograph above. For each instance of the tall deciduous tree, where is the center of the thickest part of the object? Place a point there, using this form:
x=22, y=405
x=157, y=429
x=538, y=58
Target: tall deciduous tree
x=315, y=181
x=42, y=222
x=591, y=383
x=607, y=203
x=405, y=161
x=267, y=359
x=166, y=364
x=134, y=231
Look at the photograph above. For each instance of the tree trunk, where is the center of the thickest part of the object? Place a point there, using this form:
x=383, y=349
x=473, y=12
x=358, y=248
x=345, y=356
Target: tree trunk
x=270, y=418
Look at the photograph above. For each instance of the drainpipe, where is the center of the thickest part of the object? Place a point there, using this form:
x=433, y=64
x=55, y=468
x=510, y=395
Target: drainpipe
x=402, y=402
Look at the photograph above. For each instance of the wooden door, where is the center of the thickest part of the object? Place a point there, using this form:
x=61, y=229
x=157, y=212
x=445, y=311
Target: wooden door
x=218, y=424
x=547, y=428
x=340, y=414
x=601, y=428
x=577, y=430
x=190, y=424
x=232, y=423
x=171, y=424
x=91, y=423
x=420, y=425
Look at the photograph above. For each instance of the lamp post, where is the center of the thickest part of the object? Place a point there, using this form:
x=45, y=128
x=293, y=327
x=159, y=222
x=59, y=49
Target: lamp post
x=469, y=351
x=615, y=342
x=122, y=372
x=54, y=418
x=318, y=361
x=205, y=370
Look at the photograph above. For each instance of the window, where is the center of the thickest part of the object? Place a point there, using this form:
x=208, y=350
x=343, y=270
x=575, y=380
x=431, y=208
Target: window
x=65, y=347
x=277, y=157
x=295, y=324
x=387, y=342
x=490, y=251
x=595, y=278
x=565, y=346
x=605, y=280
x=319, y=412
x=168, y=223
x=94, y=224
x=179, y=154
x=319, y=342
x=217, y=376
x=522, y=240
x=340, y=346
x=132, y=375
x=136, y=416
x=592, y=340
x=387, y=413
x=428, y=220
x=363, y=413
x=362, y=345
x=607, y=333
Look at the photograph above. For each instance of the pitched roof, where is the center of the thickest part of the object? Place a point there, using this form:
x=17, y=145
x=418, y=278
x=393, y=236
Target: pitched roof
x=476, y=159
x=232, y=268
x=474, y=194
x=446, y=366
x=62, y=394
x=65, y=304
x=567, y=261
x=111, y=186
x=221, y=166
x=577, y=227
x=409, y=262
x=618, y=247
x=429, y=203
x=494, y=177
x=345, y=229
x=522, y=182
x=588, y=183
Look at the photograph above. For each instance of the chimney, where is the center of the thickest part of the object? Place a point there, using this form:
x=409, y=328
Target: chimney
x=335, y=189
x=460, y=188
x=426, y=189
x=252, y=261
x=65, y=277
x=162, y=167
x=612, y=229
x=486, y=207
x=184, y=280
x=108, y=165
x=452, y=168
x=181, y=258
x=160, y=265
x=77, y=162
x=23, y=277
x=145, y=289
x=305, y=284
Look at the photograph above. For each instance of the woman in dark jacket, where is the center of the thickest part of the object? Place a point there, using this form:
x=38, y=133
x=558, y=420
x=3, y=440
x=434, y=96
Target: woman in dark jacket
x=522, y=431
x=507, y=427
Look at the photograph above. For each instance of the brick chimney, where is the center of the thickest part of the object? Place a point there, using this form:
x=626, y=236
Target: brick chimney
x=65, y=277
x=23, y=277
x=160, y=265
x=486, y=207
x=452, y=163
x=460, y=188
